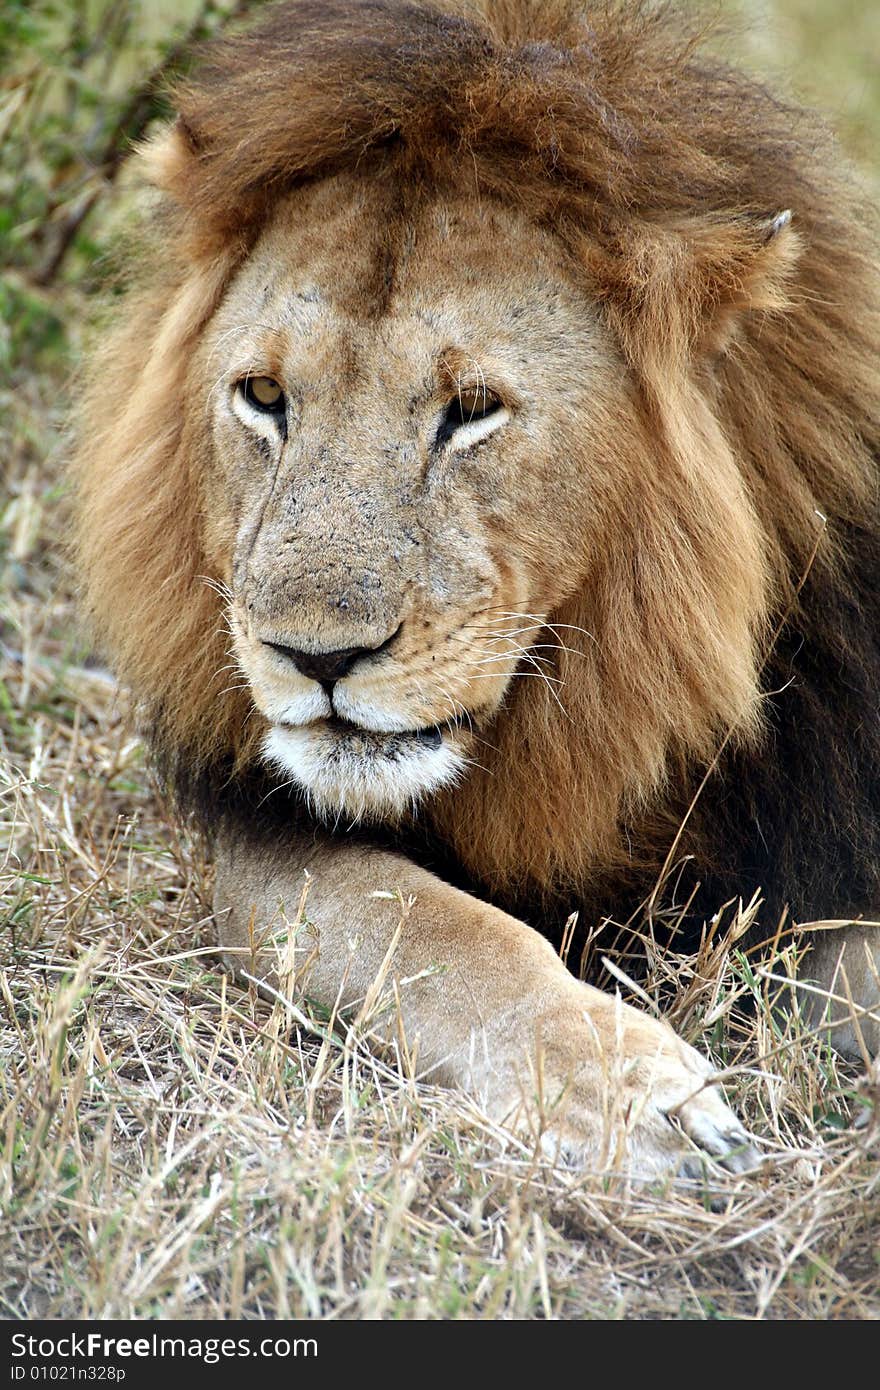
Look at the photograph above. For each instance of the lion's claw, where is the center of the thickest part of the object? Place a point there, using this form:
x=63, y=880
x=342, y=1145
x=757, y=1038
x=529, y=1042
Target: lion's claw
x=728, y=1145
x=659, y=1144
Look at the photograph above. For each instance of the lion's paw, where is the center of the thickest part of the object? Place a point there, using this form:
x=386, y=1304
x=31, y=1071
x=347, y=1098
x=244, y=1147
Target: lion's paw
x=636, y=1099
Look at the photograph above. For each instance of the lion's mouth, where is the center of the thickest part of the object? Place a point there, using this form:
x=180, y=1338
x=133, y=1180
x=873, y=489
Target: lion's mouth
x=356, y=739
x=346, y=769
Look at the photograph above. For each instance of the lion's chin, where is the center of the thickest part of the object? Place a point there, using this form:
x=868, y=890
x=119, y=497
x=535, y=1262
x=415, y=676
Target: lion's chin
x=361, y=775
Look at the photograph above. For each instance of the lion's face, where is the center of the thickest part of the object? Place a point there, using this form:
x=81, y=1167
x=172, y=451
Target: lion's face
x=399, y=402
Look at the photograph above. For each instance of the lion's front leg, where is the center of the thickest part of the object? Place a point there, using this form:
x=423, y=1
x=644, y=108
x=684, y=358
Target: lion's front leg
x=486, y=1002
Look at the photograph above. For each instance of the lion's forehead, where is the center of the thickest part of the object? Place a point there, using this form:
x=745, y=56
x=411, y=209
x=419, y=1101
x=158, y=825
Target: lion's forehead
x=401, y=286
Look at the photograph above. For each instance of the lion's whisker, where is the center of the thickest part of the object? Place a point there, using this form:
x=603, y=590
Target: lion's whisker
x=218, y=585
x=489, y=661
x=551, y=626
x=526, y=655
x=521, y=653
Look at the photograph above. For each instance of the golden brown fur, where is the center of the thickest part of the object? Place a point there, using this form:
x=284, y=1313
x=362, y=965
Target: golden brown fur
x=738, y=439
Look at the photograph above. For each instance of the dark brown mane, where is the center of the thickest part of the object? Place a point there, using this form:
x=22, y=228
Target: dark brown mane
x=609, y=112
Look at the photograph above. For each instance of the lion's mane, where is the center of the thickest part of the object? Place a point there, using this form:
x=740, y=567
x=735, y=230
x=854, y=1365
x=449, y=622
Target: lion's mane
x=662, y=169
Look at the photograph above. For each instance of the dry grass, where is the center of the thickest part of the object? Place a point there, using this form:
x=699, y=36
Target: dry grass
x=170, y=1147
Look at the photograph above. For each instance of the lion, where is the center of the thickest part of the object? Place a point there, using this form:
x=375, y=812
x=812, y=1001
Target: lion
x=478, y=493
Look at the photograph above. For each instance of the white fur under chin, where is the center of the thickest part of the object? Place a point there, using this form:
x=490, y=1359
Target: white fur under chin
x=361, y=776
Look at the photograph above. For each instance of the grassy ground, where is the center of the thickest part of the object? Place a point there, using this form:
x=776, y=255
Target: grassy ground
x=168, y=1146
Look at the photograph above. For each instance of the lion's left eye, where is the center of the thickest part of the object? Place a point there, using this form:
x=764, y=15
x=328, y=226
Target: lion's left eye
x=468, y=407
x=263, y=393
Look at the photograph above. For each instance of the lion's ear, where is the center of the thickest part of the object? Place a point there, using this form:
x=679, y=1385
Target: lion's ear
x=676, y=290
x=738, y=268
x=168, y=159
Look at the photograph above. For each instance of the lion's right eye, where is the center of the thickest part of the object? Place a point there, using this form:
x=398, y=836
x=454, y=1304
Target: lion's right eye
x=263, y=393
x=471, y=406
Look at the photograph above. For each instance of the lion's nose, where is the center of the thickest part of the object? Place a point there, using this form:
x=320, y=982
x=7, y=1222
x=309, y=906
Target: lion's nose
x=326, y=667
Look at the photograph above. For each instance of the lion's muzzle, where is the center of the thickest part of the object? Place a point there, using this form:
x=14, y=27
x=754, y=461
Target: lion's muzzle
x=349, y=725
